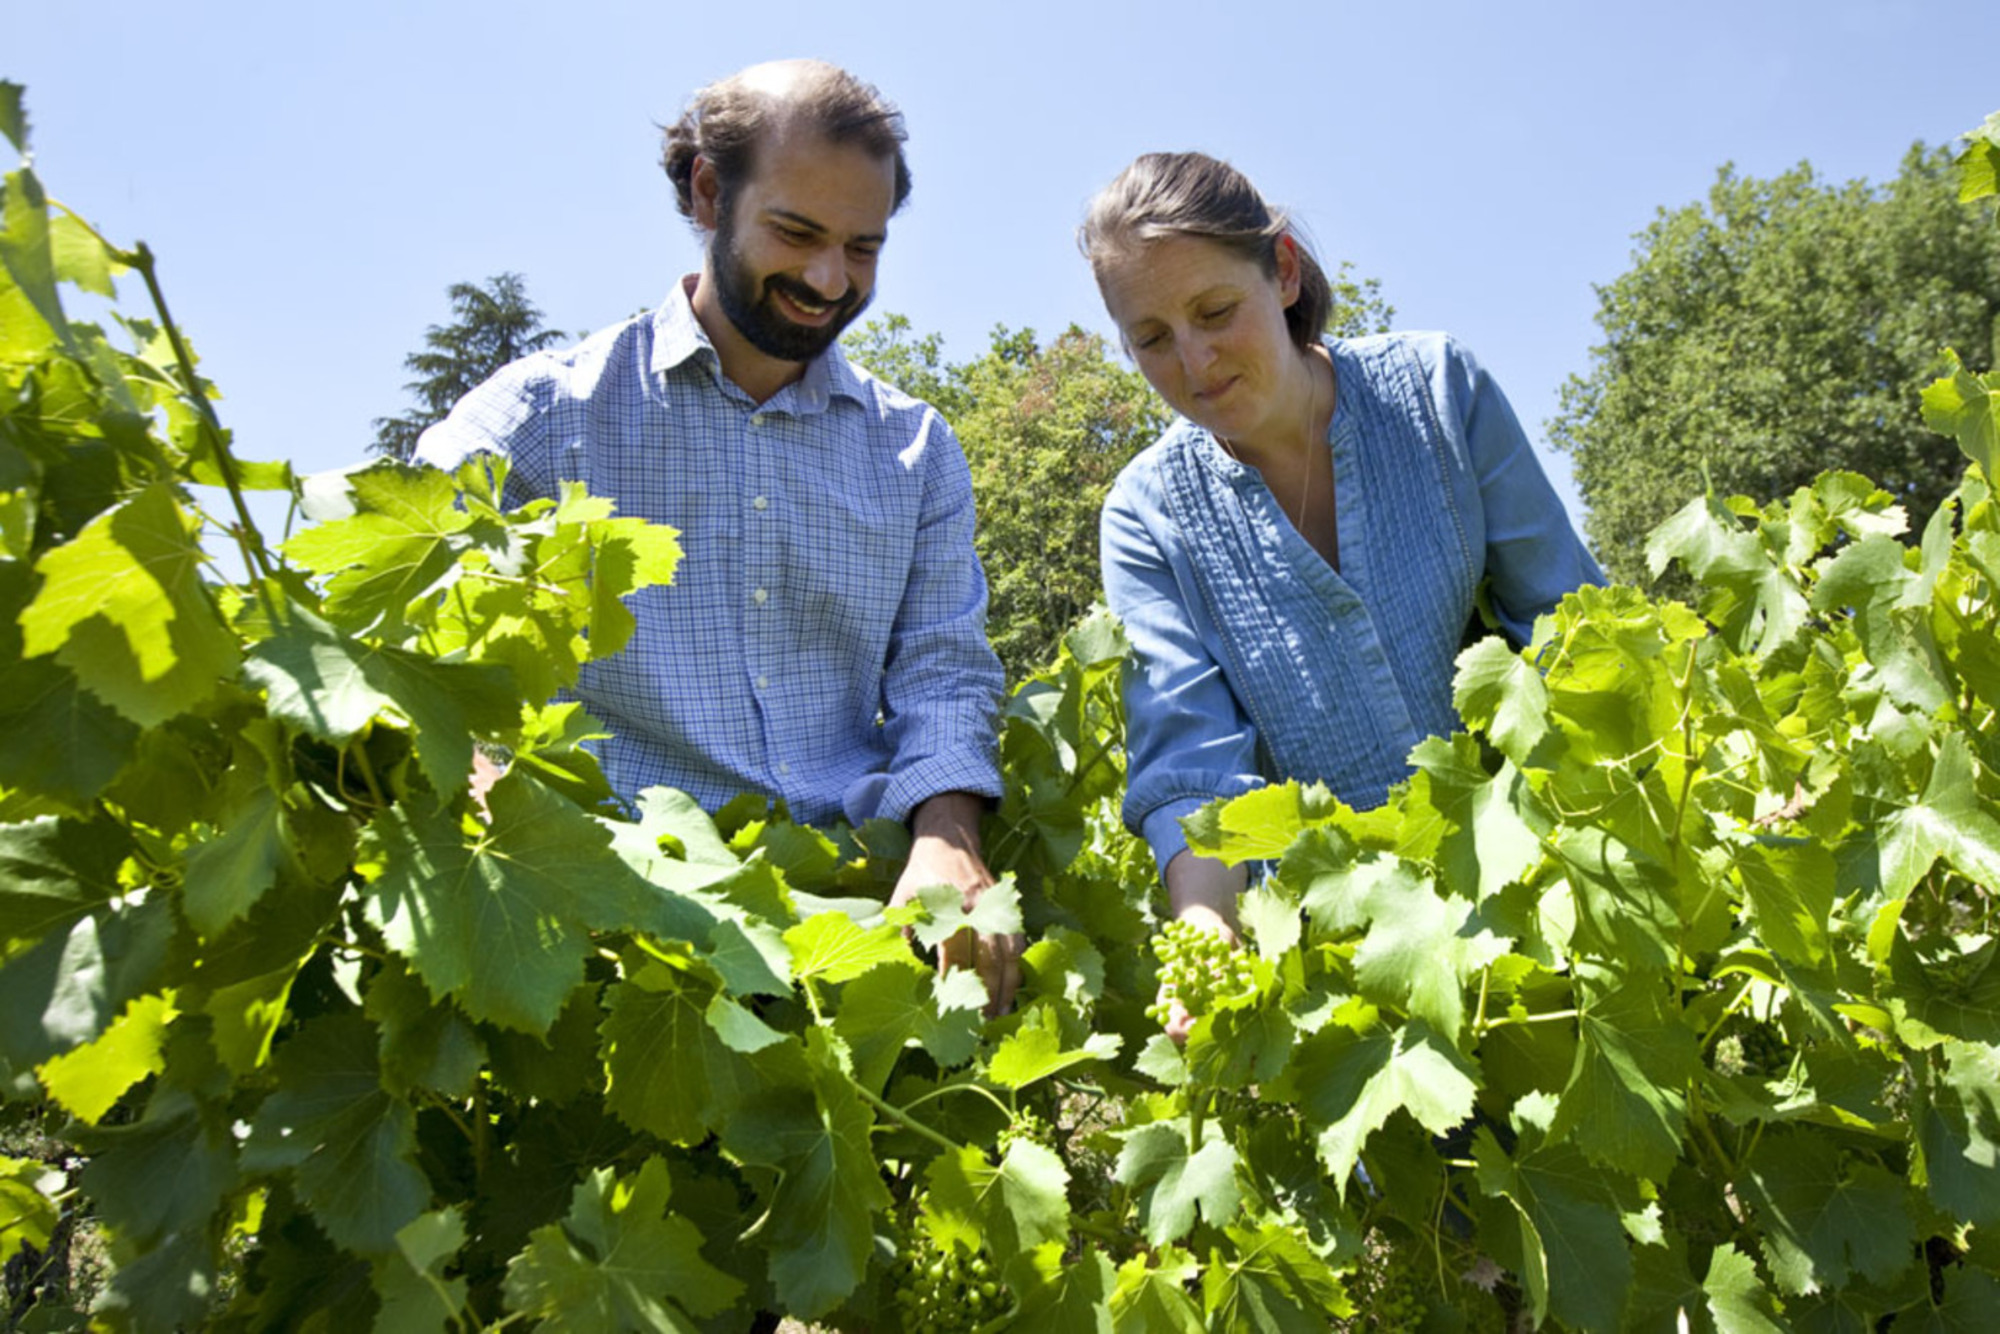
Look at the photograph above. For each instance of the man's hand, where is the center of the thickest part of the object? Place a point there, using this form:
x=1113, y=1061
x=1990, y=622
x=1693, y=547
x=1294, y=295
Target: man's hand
x=944, y=850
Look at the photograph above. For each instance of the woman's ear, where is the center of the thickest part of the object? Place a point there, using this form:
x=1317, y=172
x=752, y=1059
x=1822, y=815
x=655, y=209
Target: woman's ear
x=1290, y=272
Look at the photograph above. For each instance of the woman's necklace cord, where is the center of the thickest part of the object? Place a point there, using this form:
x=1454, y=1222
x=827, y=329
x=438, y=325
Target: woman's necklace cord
x=1305, y=487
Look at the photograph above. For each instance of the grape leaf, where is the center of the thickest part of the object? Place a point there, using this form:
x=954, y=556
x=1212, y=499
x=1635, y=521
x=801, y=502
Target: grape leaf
x=122, y=605
x=1958, y=1134
x=998, y=912
x=1153, y=1299
x=401, y=541
x=27, y=1216
x=1258, y=824
x=885, y=1009
x=671, y=1073
x=1270, y=1278
x=426, y=1044
x=31, y=316
x=1948, y=821
x=1063, y=1295
x=1755, y=604
x=67, y=988
x=1173, y=1182
x=1035, y=1050
x=163, y=1174
x=1493, y=825
x=89, y=1080
x=416, y=1296
x=1737, y=1297
x=833, y=947
x=1624, y=902
x=1350, y=1083
x=1496, y=691
x=500, y=921
x=55, y=736
x=1577, y=1265
x=619, y=1260
x=821, y=1226
x=1624, y=1105
x=1017, y=1206
x=54, y=872
x=348, y=1142
x=1825, y=1217
x=1966, y=406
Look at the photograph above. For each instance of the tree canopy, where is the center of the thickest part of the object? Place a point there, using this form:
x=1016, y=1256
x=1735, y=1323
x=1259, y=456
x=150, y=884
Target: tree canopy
x=492, y=324
x=1779, y=328
x=1046, y=427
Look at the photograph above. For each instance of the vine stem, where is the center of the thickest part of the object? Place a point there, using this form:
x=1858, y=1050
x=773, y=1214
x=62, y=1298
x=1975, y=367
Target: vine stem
x=898, y=1114
x=140, y=257
x=1545, y=1017
x=980, y=1089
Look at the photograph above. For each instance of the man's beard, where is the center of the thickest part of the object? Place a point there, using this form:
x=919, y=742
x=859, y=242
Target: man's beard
x=754, y=310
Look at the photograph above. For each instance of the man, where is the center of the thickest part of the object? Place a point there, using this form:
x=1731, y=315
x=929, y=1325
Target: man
x=824, y=638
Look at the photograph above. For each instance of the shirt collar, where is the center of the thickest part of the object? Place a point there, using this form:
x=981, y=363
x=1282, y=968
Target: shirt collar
x=679, y=338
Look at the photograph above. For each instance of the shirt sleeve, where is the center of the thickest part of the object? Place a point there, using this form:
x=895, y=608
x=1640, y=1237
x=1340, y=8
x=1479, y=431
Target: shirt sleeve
x=942, y=682
x=506, y=415
x=1532, y=552
x=1187, y=740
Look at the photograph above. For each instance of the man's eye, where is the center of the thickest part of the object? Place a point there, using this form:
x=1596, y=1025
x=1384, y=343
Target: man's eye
x=1148, y=343
x=1218, y=314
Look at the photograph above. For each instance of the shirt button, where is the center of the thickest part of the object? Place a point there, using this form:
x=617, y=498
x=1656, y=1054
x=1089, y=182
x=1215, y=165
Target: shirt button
x=761, y=502
x=783, y=768
x=763, y=683
x=756, y=419
x=760, y=596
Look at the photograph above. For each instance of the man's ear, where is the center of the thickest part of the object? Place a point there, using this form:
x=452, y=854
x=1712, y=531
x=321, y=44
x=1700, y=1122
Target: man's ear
x=705, y=193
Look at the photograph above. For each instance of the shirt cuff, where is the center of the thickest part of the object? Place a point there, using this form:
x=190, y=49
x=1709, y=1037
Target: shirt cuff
x=1162, y=828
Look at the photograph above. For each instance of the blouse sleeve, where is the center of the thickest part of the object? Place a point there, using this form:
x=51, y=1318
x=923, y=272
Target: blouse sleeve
x=1532, y=553
x=1187, y=740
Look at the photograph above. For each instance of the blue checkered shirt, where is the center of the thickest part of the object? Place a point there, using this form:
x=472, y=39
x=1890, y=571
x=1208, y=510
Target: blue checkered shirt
x=824, y=638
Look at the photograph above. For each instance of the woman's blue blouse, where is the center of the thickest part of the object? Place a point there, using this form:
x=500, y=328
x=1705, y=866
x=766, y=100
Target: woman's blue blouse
x=1252, y=659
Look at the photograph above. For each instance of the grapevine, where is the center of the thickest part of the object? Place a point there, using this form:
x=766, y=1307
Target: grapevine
x=1664, y=994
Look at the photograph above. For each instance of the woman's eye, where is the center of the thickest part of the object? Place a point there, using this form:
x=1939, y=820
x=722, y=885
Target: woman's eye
x=1149, y=342
x=1217, y=314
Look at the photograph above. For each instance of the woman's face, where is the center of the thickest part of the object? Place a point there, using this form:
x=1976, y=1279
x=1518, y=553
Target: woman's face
x=1206, y=328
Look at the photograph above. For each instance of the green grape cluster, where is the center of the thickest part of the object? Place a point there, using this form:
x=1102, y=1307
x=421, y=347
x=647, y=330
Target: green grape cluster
x=944, y=1290
x=1027, y=1125
x=1394, y=1302
x=1198, y=968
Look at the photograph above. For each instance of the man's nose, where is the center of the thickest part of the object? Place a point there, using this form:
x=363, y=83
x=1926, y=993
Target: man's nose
x=826, y=273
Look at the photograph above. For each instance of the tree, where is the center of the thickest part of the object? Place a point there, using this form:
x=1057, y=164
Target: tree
x=1046, y=429
x=491, y=326
x=1782, y=328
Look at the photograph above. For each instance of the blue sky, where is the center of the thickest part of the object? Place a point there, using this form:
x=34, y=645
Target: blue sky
x=314, y=177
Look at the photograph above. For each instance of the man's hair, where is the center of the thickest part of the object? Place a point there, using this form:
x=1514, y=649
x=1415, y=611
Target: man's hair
x=726, y=121
x=1192, y=194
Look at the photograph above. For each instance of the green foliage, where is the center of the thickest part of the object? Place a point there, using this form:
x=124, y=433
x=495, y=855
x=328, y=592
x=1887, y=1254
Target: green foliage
x=1667, y=995
x=492, y=324
x=1779, y=328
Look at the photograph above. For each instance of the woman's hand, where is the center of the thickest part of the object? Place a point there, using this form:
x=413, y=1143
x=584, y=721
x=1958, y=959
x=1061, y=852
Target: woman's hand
x=1202, y=892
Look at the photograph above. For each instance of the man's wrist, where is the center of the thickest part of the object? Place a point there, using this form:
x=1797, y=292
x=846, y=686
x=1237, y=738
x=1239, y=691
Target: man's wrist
x=952, y=816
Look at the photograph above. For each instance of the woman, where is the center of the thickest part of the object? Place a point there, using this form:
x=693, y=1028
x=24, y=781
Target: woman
x=1296, y=558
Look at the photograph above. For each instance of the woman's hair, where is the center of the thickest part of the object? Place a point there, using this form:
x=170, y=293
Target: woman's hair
x=727, y=120
x=1191, y=194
